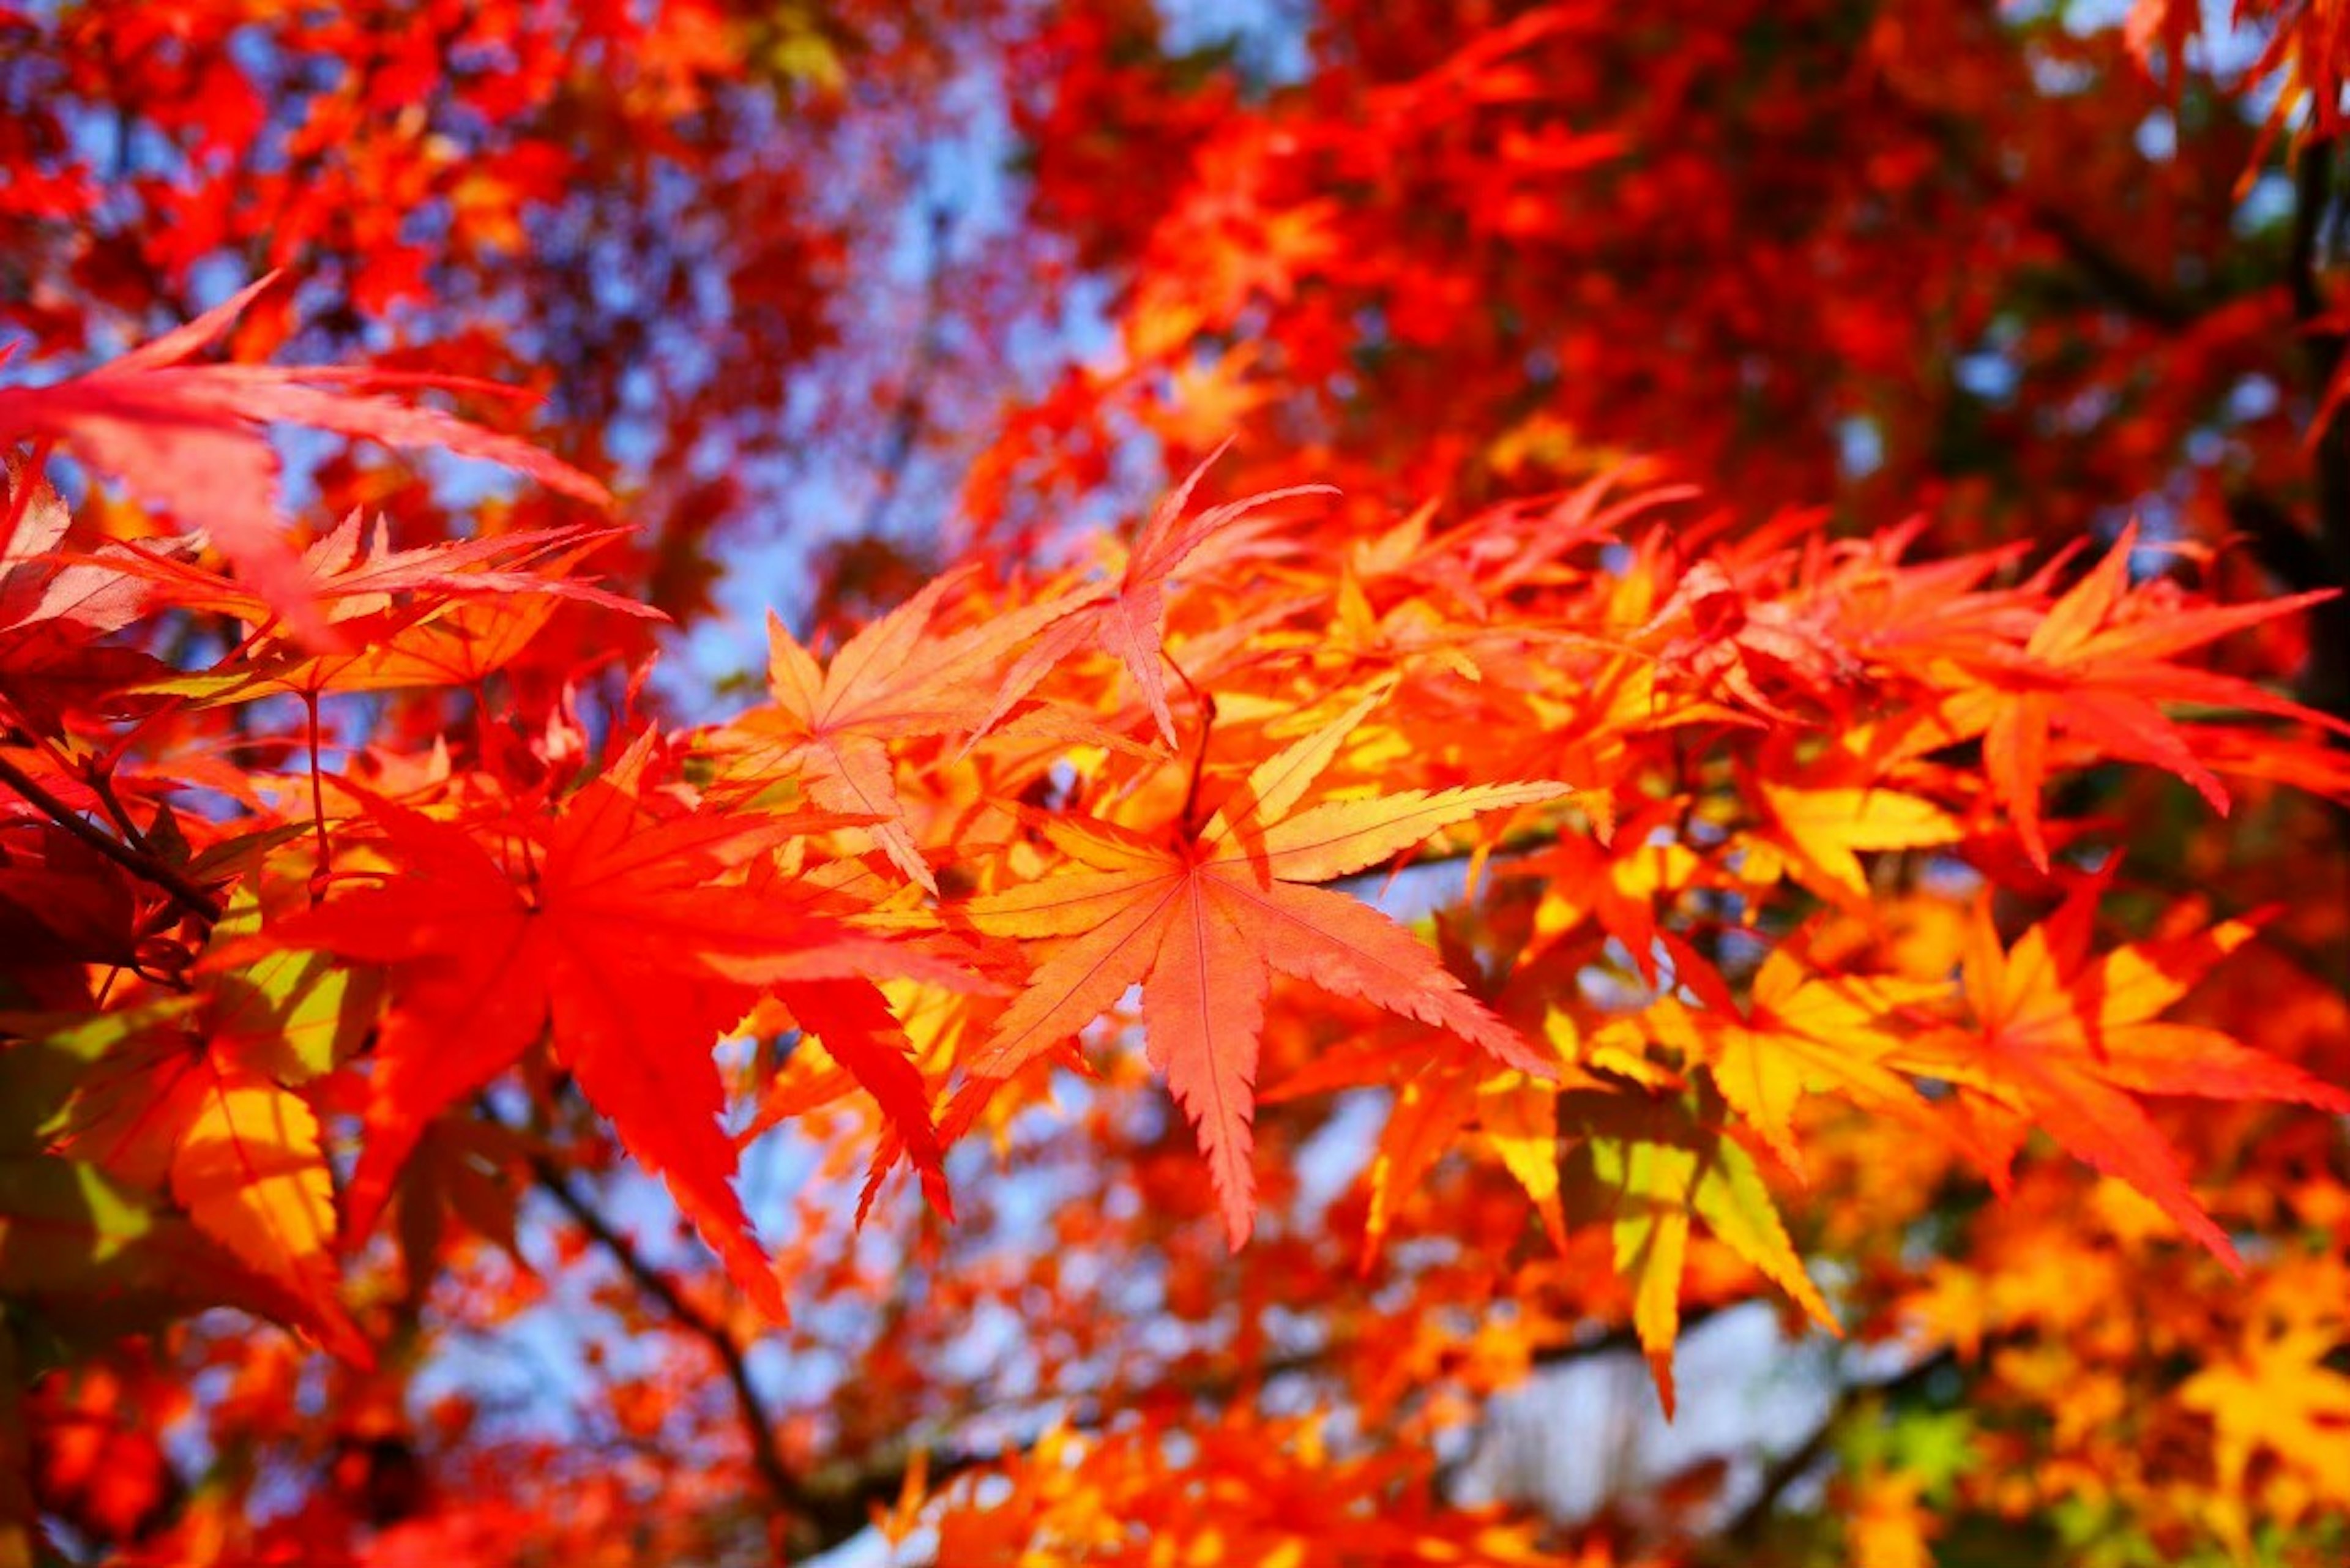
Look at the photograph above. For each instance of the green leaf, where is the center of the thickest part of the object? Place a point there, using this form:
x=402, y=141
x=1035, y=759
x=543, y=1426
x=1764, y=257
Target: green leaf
x=97, y=1258
x=1660, y=1171
x=1731, y=1198
x=40, y=1072
x=295, y=1015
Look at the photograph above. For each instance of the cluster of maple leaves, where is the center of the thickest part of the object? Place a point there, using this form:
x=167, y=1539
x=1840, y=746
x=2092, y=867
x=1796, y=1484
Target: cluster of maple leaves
x=998, y=790
x=345, y=855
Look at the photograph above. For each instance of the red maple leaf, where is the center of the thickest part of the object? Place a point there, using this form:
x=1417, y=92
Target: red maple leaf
x=623, y=943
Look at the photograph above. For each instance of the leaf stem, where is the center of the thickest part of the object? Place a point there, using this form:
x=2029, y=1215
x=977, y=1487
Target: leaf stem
x=1206, y=706
x=317, y=805
x=101, y=784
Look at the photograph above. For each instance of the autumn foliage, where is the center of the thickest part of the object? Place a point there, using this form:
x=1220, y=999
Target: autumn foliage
x=1005, y=783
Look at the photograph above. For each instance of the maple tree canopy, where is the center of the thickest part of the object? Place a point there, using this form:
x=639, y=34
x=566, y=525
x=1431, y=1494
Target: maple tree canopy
x=1034, y=781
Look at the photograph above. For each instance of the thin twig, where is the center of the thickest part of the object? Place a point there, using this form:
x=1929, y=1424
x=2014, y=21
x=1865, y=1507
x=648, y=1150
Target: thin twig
x=318, y=805
x=1206, y=704
x=2327, y=681
x=148, y=867
x=101, y=784
x=758, y=1424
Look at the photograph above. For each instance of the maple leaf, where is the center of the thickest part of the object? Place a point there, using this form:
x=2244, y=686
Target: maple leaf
x=175, y=1101
x=352, y=573
x=101, y=1255
x=252, y=1171
x=195, y=1094
x=1442, y=1085
x=1891, y=1525
x=443, y=614
x=457, y=641
x=457, y=1172
x=1799, y=1034
x=829, y=727
x=1445, y=1091
x=54, y=612
x=1758, y=648
x=1619, y=885
x=2067, y=1041
x=187, y=437
x=852, y=1019
x=153, y=1105
x=2098, y=667
x=1200, y=924
x=1283, y=1496
x=622, y=944
x=63, y=908
x=2279, y=1389
x=1821, y=827
x=1129, y=617
x=1659, y=1173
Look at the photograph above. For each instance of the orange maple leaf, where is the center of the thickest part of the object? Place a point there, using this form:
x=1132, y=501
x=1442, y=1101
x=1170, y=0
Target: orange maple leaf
x=1129, y=619
x=2099, y=667
x=853, y=1020
x=2067, y=1041
x=830, y=727
x=1799, y=1034
x=241, y=1152
x=1200, y=922
x=1821, y=828
x=443, y=614
x=352, y=574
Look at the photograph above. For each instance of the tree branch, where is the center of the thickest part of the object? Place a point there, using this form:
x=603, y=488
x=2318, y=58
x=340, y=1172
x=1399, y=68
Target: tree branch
x=2119, y=283
x=146, y=867
x=758, y=1424
x=2328, y=681
x=841, y=1503
x=1746, y=1526
x=2288, y=552
x=2313, y=186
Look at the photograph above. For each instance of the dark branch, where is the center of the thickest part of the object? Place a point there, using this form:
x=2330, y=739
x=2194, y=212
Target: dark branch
x=841, y=1505
x=2295, y=557
x=758, y=1425
x=2312, y=187
x=2327, y=682
x=2121, y=283
x=147, y=866
x=1747, y=1523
